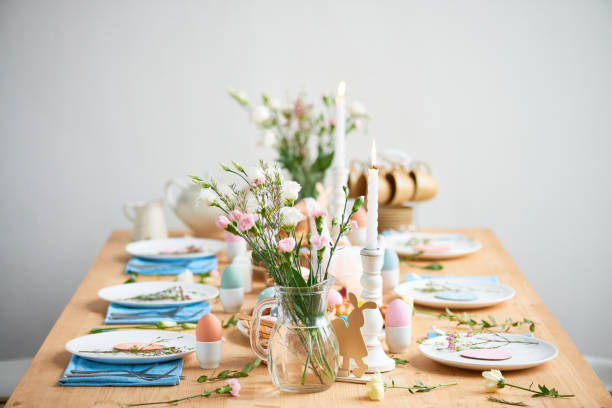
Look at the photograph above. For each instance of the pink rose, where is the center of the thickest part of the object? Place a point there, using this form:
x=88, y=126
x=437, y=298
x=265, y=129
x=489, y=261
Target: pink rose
x=214, y=273
x=353, y=225
x=222, y=222
x=246, y=222
x=319, y=241
x=233, y=382
x=332, y=121
x=235, y=215
x=318, y=213
x=286, y=244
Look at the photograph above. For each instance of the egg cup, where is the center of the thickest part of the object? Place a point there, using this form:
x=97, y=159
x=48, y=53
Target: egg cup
x=398, y=338
x=231, y=299
x=209, y=353
x=390, y=279
x=235, y=248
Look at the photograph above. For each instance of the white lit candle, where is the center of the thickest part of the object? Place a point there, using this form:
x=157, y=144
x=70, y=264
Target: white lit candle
x=372, y=217
x=340, y=126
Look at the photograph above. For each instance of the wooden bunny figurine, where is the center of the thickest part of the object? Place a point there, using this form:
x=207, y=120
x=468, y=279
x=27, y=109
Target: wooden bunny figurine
x=350, y=339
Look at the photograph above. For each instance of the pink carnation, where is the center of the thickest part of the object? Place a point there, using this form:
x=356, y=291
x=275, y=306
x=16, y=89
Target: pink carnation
x=319, y=241
x=353, y=225
x=332, y=121
x=214, y=273
x=246, y=222
x=258, y=181
x=286, y=244
x=318, y=213
x=233, y=382
x=235, y=215
x=222, y=222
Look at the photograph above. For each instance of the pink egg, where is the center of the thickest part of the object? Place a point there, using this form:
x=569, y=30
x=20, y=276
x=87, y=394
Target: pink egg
x=334, y=297
x=398, y=314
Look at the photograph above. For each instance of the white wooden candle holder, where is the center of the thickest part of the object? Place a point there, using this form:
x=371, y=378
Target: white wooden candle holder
x=371, y=281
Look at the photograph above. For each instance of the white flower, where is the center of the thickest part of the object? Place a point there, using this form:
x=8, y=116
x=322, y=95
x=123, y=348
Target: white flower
x=254, y=173
x=375, y=388
x=165, y=324
x=290, y=190
x=290, y=216
x=267, y=138
x=493, y=380
x=261, y=114
x=357, y=109
x=186, y=276
x=207, y=196
x=275, y=104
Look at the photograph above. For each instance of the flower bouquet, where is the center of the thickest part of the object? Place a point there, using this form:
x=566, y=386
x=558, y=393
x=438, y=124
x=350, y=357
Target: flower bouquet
x=301, y=134
x=303, y=350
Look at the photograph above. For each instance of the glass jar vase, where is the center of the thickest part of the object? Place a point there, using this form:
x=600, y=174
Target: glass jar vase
x=302, y=353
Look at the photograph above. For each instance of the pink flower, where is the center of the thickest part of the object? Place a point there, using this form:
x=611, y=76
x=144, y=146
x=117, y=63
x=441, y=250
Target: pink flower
x=235, y=215
x=286, y=244
x=222, y=222
x=319, y=241
x=246, y=222
x=357, y=124
x=451, y=342
x=258, y=181
x=214, y=273
x=332, y=121
x=233, y=382
x=318, y=213
x=353, y=225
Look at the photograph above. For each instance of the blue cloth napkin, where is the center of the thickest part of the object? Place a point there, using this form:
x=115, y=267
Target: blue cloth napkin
x=190, y=313
x=410, y=277
x=172, y=266
x=79, y=363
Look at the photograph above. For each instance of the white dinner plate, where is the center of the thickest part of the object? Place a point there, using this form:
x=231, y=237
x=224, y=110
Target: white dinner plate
x=157, y=249
x=458, y=244
x=96, y=347
x=123, y=294
x=424, y=292
x=523, y=355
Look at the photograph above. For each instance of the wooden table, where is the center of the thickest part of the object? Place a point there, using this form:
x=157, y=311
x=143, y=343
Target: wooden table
x=569, y=372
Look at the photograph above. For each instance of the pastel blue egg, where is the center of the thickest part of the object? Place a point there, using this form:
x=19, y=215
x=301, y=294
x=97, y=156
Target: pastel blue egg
x=231, y=278
x=266, y=294
x=391, y=260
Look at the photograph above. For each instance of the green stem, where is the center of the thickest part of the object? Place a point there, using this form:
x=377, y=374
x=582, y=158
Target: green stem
x=536, y=391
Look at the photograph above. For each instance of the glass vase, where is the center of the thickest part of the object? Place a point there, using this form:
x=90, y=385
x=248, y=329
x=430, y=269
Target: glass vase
x=302, y=353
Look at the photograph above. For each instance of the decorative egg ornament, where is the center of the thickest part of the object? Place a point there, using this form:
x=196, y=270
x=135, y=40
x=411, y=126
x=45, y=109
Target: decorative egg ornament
x=390, y=270
x=232, y=290
x=209, y=341
x=398, y=329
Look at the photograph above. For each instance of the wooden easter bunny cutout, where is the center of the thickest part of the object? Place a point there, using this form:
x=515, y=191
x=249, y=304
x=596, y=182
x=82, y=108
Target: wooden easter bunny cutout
x=351, y=340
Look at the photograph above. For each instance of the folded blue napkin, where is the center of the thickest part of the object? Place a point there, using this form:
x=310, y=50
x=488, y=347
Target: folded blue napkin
x=79, y=363
x=410, y=277
x=189, y=314
x=172, y=266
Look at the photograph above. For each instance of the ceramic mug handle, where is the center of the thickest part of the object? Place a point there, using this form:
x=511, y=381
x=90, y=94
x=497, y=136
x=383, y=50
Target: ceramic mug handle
x=254, y=332
x=128, y=209
x=172, y=191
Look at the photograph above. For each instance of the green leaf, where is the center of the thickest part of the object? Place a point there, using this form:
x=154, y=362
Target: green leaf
x=434, y=267
x=322, y=163
x=399, y=361
x=202, y=378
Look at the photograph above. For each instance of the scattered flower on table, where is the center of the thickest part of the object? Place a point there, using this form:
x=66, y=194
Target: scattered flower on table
x=493, y=380
x=375, y=388
x=233, y=382
x=185, y=276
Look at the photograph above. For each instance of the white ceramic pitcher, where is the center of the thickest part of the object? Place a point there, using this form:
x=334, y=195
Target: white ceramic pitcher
x=148, y=219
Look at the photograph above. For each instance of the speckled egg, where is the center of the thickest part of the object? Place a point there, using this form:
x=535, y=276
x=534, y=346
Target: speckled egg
x=391, y=260
x=398, y=314
x=231, y=278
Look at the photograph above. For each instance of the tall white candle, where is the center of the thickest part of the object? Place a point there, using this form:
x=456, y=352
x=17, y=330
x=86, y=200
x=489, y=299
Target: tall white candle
x=372, y=217
x=340, y=131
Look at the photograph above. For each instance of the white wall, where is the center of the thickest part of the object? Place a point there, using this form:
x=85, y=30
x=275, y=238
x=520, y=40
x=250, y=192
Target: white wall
x=102, y=101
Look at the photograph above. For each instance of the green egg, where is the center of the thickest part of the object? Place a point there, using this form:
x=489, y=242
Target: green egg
x=266, y=294
x=231, y=278
x=391, y=260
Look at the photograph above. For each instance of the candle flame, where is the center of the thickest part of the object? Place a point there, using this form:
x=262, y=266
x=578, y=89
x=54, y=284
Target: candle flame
x=341, y=89
x=373, y=153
